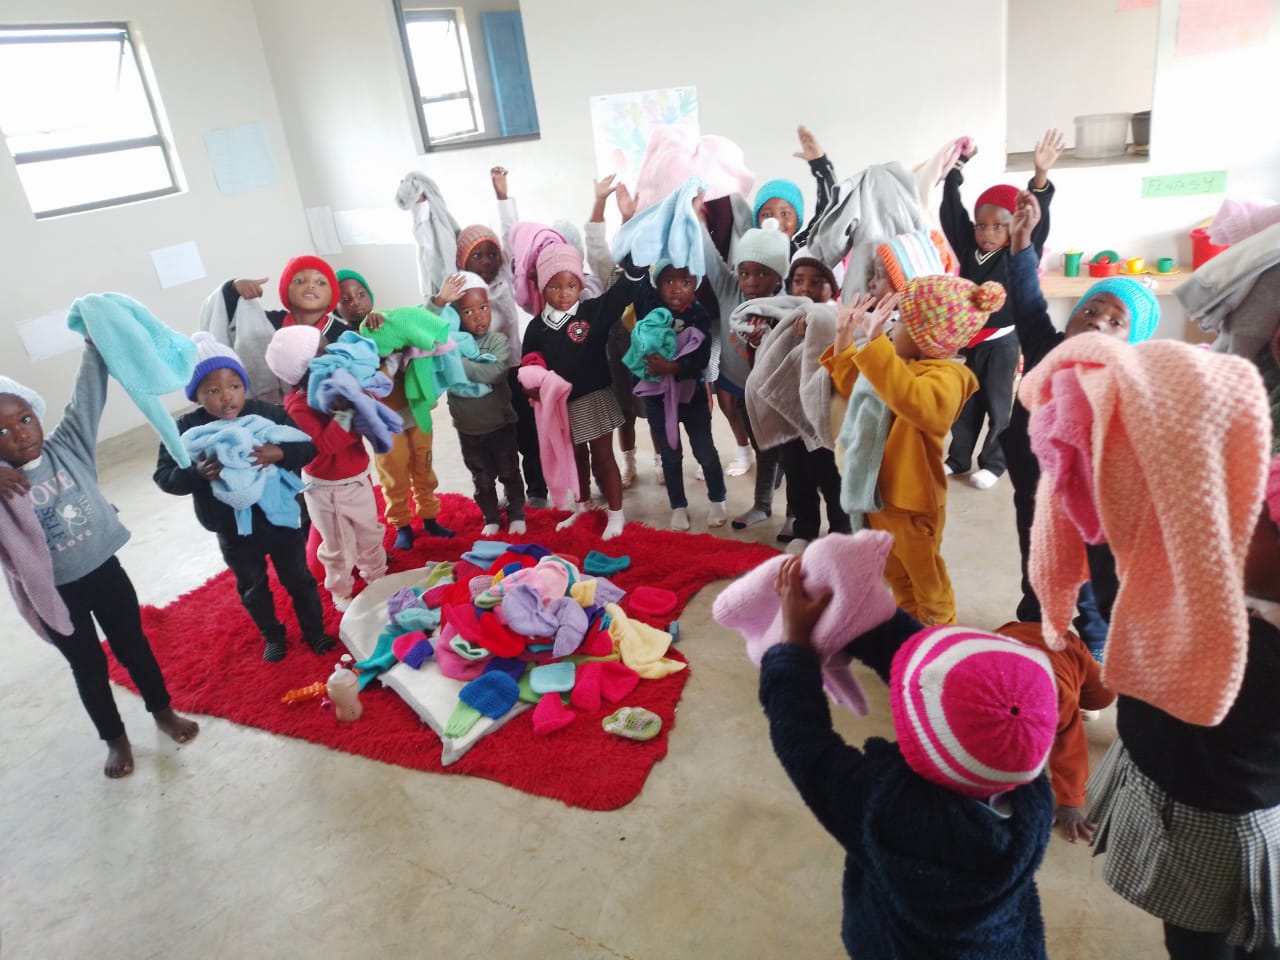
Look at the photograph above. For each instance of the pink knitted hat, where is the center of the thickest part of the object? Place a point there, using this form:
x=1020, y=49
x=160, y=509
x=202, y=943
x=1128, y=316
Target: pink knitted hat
x=974, y=712
x=290, y=351
x=851, y=566
x=1162, y=450
x=555, y=258
x=943, y=313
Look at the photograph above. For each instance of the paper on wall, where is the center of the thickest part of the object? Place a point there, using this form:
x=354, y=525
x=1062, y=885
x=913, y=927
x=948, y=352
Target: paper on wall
x=47, y=336
x=324, y=232
x=1209, y=26
x=241, y=157
x=178, y=264
x=622, y=122
x=375, y=225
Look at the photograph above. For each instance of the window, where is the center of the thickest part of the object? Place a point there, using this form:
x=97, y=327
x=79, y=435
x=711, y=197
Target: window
x=442, y=68
x=79, y=119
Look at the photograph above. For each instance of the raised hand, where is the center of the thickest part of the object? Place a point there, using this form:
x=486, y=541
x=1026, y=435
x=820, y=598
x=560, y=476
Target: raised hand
x=1026, y=214
x=848, y=317
x=250, y=289
x=1047, y=152
x=874, y=321
x=498, y=177
x=810, y=148
x=450, y=290
x=604, y=187
x=626, y=202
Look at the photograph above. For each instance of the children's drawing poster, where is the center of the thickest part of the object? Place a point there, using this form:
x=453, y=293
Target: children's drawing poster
x=1210, y=26
x=622, y=122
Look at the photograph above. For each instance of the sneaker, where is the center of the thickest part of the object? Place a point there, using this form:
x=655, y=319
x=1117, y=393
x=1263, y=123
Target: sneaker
x=983, y=479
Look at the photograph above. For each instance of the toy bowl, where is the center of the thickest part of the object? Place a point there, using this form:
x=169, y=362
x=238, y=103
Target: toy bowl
x=1104, y=269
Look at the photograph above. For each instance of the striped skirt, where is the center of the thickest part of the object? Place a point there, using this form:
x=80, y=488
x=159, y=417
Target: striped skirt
x=1194, y=868
x=594, y=415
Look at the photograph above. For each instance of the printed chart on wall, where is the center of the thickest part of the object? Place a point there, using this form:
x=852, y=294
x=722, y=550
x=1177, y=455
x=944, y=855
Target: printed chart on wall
x=1210, y=26
x=622, y=122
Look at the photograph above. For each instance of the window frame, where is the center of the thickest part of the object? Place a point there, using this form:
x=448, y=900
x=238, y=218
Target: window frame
x=470, y=94
x=81, y=33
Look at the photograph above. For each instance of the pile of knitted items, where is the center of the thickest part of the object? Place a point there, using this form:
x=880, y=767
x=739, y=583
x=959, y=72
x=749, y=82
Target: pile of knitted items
x=424, y=338
x=146, y=357
x=669, y=230
x=555, y=440
x=244, y=484
x=788, y=390
x=670, y=388
x=434, y=228
x=1176, y=496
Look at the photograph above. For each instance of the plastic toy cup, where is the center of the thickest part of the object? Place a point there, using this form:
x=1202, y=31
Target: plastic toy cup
x=1071, y=263
x=1135, y=265
x=1165, y=265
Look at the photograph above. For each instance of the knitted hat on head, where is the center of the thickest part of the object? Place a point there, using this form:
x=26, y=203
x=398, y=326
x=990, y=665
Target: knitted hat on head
x=471, y=237
x=780, y=190
x=921, y=253
x=974, y=712
x=558, y=258
x=1001, y=195
x=1143, y=307
x=33, y=399
x=770, y=247
x=818, y=265
x=943, y=313
x=472, y=281
x=291, y=350
x=352, y=275
x=210, y=356
x=655, y=271
x=308, y=262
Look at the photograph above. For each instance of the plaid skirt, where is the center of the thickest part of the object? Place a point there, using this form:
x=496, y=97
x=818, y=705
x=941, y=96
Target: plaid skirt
x=593, y=415
x=1194, y=868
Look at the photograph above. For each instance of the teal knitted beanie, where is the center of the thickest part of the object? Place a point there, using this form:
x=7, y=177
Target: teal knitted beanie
x=1143, y=307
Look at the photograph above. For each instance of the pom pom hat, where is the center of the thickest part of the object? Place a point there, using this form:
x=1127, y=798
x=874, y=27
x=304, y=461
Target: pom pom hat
x=210, y=356
x=942, y=314
x=974, y=712
x=296, y=266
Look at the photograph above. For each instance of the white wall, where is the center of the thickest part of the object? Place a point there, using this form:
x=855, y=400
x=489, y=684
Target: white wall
x=209, y=65
x=1068, y=59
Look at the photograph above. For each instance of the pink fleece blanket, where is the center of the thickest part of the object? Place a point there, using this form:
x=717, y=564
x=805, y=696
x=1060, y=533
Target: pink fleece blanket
x=24, y=557
x=555, y=442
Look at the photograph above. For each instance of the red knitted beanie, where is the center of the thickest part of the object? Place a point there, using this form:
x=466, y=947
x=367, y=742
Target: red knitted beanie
x=308, y=262
x=1001, y=195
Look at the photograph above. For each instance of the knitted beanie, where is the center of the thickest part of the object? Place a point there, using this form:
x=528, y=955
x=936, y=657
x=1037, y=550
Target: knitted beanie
x=352, y=275
x=655, y=271
x=471, y=237
x=290, y=352
x=769, y=247
x=558, y=258
x=818, y=265
x=308, y=262
x=1143, y=307
x=943, y=313
x=210, y=356
x=33, y=399
x=1001, y=195
x=472, y=281
x=974, y=712
x=780, y=190
x=921, y=253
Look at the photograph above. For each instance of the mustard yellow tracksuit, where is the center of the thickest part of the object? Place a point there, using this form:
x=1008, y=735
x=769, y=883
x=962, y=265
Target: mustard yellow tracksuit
x=407, y=467
x=925, y=397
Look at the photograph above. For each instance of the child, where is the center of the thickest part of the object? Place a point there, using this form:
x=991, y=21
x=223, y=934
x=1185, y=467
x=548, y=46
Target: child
x=355, y=301
x=308, y=291
x=570, y=334
x=1114, y=307
x=58, y=545
x=980, y=245
x=675, y=290
x=924, y=391
x=761, y=261
x=407, y=467
x=486, y=424
x=220, y=386
x=782, y=200
x=943, y=831
x=339, y=493
x=1187, y=800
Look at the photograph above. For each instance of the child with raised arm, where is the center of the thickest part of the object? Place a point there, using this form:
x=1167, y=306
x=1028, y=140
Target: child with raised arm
x=58, y=545
x=982, y=245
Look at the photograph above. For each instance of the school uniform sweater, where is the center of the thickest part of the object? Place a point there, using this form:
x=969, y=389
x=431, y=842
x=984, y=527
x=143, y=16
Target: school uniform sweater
x=925, y=397
x=477, y=416
x=340, y=454
x=213, y=514
x=928, y=873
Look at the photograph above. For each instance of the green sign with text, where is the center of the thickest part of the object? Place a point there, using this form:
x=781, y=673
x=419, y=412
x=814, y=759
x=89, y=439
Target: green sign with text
x=1185, y=184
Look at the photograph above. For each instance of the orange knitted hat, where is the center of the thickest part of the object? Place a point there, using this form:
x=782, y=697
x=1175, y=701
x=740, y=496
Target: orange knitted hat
x=921, y=253
x=943, y=313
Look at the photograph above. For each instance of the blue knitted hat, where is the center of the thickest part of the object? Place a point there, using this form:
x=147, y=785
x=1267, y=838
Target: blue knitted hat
x=210, y=356
x=32, y=399
x=782, y=190
x=1143, y=307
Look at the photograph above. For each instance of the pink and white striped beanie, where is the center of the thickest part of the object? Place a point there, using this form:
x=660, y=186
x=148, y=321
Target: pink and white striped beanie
x=974, y=712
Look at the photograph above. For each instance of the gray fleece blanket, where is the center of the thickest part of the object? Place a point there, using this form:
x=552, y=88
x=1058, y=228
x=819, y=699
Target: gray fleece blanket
x=789, y=390
x=434, y=228
x=1235, y=294
x=247, y=332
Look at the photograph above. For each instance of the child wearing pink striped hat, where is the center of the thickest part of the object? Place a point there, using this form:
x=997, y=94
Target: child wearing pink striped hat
x=944, y=830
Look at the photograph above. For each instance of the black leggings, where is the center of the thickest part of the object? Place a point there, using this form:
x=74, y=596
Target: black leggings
x=107, y=594
x=1184, y=944
x=810, y=473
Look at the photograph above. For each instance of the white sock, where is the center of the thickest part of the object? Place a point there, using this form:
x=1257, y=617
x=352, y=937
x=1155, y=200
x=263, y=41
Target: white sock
x=614, y=526
x=579, y=508
x=517, y=528
x=744, y=454
x=680, y=519
x=489, y=529
x=983, y=479
x=716, y=515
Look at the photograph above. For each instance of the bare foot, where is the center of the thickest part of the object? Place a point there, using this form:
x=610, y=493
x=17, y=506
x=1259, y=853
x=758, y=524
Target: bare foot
x=119, y=758
x=179, y=728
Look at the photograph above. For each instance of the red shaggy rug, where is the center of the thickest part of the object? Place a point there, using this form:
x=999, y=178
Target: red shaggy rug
x=212, y=660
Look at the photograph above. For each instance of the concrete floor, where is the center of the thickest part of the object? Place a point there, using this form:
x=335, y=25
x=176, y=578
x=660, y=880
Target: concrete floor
x=246, y=844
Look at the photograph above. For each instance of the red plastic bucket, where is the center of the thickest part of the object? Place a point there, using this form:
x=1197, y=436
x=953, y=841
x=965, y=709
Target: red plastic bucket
x=1202, y=249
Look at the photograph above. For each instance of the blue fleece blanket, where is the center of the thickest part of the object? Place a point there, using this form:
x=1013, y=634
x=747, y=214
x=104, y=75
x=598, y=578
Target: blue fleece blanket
x=467, y=350
x=373, y=420
x=356, y=355
x=669, y=230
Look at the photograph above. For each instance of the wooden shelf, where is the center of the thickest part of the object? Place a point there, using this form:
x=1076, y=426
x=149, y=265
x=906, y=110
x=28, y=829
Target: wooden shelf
x=1056, y=286
x=1025, y=160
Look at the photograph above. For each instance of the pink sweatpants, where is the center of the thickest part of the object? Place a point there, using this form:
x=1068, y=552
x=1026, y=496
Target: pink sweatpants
x=346, y=517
